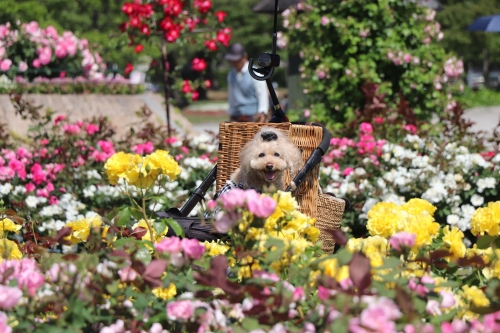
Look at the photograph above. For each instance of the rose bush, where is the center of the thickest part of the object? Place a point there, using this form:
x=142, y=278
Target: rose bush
x=346, y=44
x=29, y=50
x=180, y=23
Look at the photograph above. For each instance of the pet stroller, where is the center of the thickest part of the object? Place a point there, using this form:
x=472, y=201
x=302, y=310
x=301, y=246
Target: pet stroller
x=312, y=139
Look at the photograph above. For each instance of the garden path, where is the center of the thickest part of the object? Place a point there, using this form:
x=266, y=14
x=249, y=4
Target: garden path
x=485, y=118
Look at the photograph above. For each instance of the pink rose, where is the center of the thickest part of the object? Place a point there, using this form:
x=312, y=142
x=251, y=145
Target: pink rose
x=456, y=326
x=325, y=20
x=347, y=171
x=447, y=299
x=260, y=206
x=492, y=322
x=4, y=327
x=379, y=120
x=411, y=128
x=9, y=297
x=127, y=274
x=401, y=240
x=169, y=245
x=407, y=58
x=225, y=221
x=366, y=128
x=58, y=119
x=233, y=199
x=5, y=65
x=23, y=66
x=30, y=187
x=192, y=248
x=180, y=310
x=372, y=319
x=36, y=63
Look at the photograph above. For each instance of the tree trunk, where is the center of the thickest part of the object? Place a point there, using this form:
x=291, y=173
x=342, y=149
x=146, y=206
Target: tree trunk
x=486, y=71
x=166, y=86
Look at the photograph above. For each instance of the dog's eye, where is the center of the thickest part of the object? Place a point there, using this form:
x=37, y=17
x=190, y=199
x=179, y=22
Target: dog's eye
x=277, y=154
x=262, y=155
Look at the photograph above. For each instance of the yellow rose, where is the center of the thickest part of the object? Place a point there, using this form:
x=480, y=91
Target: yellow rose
x=9, y=250
x=215, y=249
x=165, y=293
x=161, y=160
x=285, y=202
x=417, y=206
x=486, y=220
x=383, y=219
x=147, y=236
x=122, y=165
x=81, y=228
x=453, y=239
x=476, y=296
x=8, y=225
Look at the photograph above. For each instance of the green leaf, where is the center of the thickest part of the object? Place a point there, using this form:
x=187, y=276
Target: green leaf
x=485, y=241
x=274, y=255
x=250, y=324
x=160, y=226
x=124, y=217
x=391, y=262
x=179, y=231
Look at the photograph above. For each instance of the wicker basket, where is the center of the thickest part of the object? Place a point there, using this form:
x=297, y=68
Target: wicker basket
x=233, y=136
x=330, y=211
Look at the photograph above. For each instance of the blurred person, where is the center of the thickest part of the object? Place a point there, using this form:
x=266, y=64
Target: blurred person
x=247, y=97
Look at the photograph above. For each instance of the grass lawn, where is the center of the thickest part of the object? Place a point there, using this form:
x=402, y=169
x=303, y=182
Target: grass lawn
x=482, y=97
x=200, y=119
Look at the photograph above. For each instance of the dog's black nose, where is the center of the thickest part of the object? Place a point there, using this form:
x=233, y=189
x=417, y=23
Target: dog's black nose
x=269, y=166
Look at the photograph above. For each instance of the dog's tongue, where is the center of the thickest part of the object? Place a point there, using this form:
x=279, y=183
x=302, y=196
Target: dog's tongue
x=270, y=175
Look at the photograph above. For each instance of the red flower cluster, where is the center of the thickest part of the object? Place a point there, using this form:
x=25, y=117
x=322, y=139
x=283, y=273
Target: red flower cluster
x=203, y=5
x=198, y=64
x=224, y=36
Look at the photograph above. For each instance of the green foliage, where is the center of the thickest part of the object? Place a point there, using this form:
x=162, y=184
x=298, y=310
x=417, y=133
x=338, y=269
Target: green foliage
x=347, y=44
x=482, y=97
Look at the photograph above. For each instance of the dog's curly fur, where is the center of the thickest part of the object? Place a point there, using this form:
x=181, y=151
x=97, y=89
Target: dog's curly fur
x=265, y=158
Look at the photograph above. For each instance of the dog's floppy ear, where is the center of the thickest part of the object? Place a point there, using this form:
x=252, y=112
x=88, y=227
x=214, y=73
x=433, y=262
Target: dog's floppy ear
x=293, y=157
x=245, y=159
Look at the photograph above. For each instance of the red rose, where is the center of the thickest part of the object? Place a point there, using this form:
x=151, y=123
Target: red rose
x=129, y=68
x=211, y=45
x=145, y=29
x=220, y=16
x=203, y=5
x=166, y=24
x=198, y=64
x=139, y=48
x=186, y=87
x=135, y=22
x=128, y=8
x=195, y=95
x=208, y=84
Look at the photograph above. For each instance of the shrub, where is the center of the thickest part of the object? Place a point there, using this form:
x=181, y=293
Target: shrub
x=346, y=44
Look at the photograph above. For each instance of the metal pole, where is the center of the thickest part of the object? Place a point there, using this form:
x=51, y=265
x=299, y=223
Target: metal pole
x=166, y=86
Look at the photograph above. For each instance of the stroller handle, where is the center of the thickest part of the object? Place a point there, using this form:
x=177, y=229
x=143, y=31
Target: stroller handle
x=313, y=160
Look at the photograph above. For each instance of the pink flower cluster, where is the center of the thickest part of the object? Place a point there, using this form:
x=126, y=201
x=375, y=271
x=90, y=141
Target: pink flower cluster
x=48, y=46
x=402, y=58
x=261, y=206
x=454, y=67
x=402, y=240
x=191, y=248
x=379, y=316
x=367, y=144
x=26, y=272
x=143, y=148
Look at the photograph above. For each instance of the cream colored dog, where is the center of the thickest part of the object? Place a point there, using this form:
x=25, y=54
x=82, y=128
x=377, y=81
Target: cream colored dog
x=264, y=160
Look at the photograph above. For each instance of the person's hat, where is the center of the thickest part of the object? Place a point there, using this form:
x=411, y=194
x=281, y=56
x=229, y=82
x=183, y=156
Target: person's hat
x=235, y=52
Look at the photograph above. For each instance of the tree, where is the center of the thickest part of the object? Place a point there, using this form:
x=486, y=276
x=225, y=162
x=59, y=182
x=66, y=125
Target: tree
x=347, y=44
x=456, y=17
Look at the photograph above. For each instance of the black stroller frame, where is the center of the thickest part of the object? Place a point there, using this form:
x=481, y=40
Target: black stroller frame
x=193, y=227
